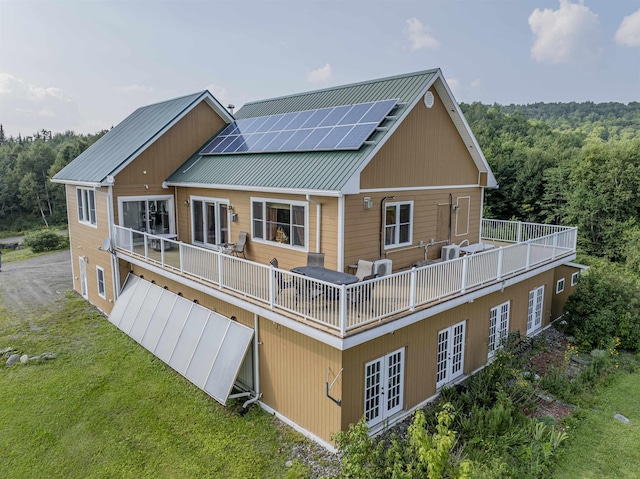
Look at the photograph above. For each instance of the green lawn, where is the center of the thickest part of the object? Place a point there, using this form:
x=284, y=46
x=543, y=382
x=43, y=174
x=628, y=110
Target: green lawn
x=105, y=407
x=600, y=446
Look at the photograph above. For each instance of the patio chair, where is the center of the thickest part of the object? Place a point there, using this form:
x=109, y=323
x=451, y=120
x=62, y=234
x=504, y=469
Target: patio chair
x=280, y=281
x=362, y=294
x=237, y=249
x=315, y=259
x=365, y=268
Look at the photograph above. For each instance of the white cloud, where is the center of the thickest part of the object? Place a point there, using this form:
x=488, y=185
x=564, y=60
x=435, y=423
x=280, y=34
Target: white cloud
x=26, y=108
x=454, y=84
x=419, y=36
x=320, y=76
x=570, y=34
x=629, y=31
x=137, y=88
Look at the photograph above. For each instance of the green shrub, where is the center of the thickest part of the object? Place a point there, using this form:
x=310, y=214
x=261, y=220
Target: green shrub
x=606, y=305
x=45, y=240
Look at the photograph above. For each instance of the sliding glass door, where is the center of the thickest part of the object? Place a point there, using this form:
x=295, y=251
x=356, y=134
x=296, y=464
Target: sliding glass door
x=153, y=214
x=210, y=220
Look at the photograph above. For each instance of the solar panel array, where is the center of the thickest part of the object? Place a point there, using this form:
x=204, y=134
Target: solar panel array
x=343, y=127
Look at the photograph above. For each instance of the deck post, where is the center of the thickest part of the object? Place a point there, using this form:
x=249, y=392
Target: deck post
x=162, y=251
x=465, y=264
x=500, y=259
x=519, y=233
x=272, y=293
x=220, y=270
x=181, y=252
x=528, y=255
x=412, y=289
x=555, y=245
x=145, y=237
x=343, y=310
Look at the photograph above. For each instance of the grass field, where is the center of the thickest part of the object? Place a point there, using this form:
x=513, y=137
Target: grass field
x=105, y=407
x=602, y=447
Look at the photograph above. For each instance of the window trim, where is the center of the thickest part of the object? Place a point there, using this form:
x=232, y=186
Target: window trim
x=560, y=286
x=264, y=201
x=100, y=270
x=499, y=333
x=84, y=206
x=398, y=204
x=575, y=277
x=218, y=202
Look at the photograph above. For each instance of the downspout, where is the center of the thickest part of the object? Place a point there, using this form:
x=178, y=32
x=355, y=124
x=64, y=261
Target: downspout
x=115, y=271
x=318, y=218
x=256, y=364
x=341, y=232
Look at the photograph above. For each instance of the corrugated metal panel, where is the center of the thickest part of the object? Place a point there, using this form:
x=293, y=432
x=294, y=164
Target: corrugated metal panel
x=304, y=170
x=124, y=140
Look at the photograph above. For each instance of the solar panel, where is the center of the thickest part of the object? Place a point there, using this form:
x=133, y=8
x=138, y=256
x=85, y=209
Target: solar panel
x=344, y=127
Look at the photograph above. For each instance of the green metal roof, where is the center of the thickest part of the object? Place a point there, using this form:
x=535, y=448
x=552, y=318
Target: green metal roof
x=129, y=138
x=311, y=171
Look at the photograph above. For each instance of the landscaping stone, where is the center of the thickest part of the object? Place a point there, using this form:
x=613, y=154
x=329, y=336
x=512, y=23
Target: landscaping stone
x=24, y=358
x=6, y=350
x=621, y=418
x=47, y=356
x=578, y=360
x=13, y=359
x=288, y=463
x=545, y=398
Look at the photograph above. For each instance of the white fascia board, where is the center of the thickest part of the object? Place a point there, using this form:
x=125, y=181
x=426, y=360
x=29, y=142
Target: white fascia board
x=417, y=188
x=264, y=312
x=443, y=90
x=355, y=178
x=391, y=327
x=287, y=191
x=209, y=100
x=88, y=184
x=213, y=102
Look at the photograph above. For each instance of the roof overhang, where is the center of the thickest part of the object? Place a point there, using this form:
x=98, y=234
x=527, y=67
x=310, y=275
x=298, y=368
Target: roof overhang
x=261, y=189
x=88, y=184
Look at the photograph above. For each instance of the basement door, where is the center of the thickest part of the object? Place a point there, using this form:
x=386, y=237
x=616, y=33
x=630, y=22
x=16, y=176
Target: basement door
x=450, y=362
x=384, y=387
x=204, y=347
x=534, y=312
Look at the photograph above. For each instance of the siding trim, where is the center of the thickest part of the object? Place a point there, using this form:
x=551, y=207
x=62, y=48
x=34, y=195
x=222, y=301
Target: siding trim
x=415, y=188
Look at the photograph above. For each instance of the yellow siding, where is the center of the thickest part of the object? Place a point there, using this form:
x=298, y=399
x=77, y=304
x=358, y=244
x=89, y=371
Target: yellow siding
x=362, y=226
x=261, y=252
x=85, y=241
x=420, y=341
x=425, y=150
x=560, y=299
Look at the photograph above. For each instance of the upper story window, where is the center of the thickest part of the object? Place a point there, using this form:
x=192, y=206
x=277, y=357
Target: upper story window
x=575, y=277
x=278, y=221
x=210, y=220
x=86, y=206
x=398, y=224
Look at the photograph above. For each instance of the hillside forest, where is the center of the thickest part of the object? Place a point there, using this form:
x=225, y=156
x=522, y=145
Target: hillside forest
x=561, y=163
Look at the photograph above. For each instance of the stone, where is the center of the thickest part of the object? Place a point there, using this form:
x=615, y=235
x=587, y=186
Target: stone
x=34, y=358
x=47, y=356
x=13, y=359
x=621, y=418
x=24, y=358
x=578, y=360
x=545, y=398
x=6, y=350
x=288, y=463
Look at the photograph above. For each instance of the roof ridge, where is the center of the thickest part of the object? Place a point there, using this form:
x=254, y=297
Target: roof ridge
x=347, y=85
x=195, y=95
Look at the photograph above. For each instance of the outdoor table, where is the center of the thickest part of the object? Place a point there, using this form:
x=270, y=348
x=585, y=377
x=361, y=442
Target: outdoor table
x=476, y=248
x=324, y=274
x=160, y=237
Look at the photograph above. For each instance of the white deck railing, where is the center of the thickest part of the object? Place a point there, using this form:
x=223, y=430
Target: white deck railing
x=343, y=308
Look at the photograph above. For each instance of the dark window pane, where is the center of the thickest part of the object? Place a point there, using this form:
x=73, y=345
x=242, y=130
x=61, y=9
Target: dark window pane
x=405, y=213
x=257, y=210
x=404, y=233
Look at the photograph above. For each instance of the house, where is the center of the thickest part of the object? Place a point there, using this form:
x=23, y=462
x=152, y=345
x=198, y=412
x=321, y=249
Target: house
x=384, y=175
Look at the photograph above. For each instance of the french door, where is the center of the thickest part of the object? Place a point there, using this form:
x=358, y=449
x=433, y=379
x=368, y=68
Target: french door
x=450, y=361
x=534, y=315
x=384, y=387
x=210, y=220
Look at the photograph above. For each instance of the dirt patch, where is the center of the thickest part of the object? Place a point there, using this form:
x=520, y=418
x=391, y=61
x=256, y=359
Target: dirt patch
x=35, y=284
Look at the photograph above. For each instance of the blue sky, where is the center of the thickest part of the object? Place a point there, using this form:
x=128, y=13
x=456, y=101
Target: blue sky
x=86, y=65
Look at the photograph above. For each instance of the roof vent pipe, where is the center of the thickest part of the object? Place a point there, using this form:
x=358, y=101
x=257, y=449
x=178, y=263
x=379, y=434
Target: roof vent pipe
x=230, y=107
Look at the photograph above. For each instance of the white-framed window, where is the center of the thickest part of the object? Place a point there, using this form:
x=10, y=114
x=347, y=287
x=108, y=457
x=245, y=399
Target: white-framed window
x=280, y=222
x=84, y=289
x=384, y=387
x=560, y=286
x=150, y=214
x=534, y=313
x=450, y=359
x=398, y=223
x=86, y=206
x=209, y=220
x=575, y=277
x=498, y=326
x=101, y=287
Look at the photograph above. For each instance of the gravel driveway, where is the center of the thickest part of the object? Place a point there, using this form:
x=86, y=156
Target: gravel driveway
x=35, y=284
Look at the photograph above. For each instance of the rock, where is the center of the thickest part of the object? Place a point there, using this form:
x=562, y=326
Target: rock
x=578, y=360
x=288, y=463
x=545, y=398
x=621, y=418
x=24, y=358
x=6, y=350
x=13, y=359
x=34, y=358
x=47, y=356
